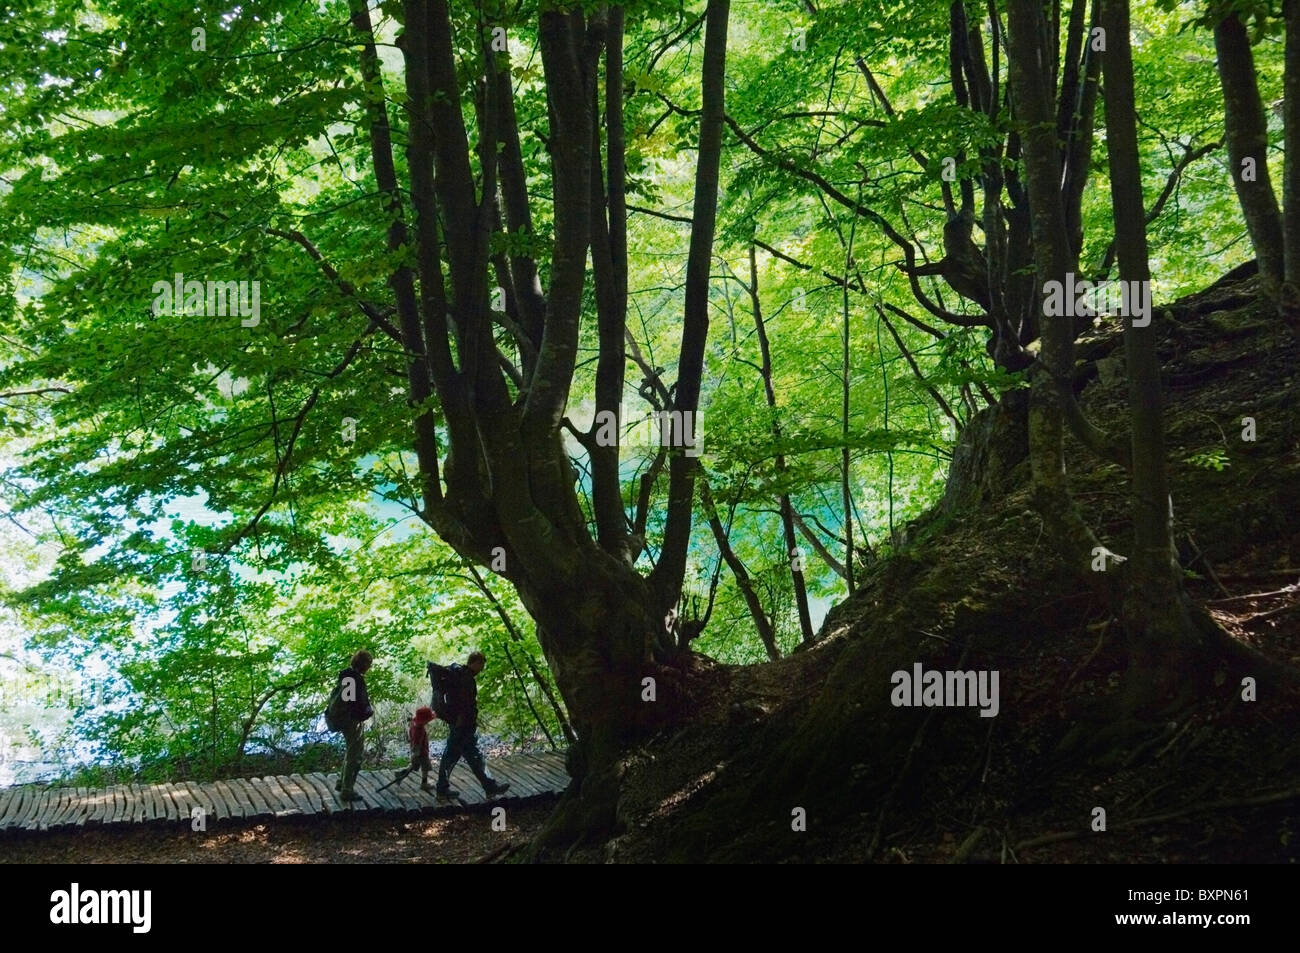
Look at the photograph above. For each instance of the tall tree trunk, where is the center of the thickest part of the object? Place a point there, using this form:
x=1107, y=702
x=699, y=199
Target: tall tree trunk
x=1155, y=609
x=787, y=509
x=1246, y=130
x=666, y=578
x=1030, y=76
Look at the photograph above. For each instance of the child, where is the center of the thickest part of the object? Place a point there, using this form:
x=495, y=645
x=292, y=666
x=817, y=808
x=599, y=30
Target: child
x=419, y=738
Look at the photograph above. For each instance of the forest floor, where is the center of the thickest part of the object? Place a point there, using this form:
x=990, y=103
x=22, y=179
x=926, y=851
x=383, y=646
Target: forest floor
x=814, y=741
x=359, y=838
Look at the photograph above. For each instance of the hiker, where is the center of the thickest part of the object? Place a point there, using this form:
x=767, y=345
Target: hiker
x=348, y=710
x=455, y=701
x=418, y=735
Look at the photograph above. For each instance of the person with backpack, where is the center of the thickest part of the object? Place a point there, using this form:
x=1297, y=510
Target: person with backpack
x=455, y=701
x=349, y=708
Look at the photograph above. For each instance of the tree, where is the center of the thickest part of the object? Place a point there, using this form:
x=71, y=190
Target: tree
x=1155, y=609
x=1247, y=138
x=509, y=485
x=1291, y=170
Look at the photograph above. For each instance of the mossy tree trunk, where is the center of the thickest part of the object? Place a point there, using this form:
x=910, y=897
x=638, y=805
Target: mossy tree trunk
x=1246, y=131
x=1155, y=606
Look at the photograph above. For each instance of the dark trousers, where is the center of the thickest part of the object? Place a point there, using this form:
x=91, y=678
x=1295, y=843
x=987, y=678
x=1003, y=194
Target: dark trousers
x=355, y=740
x=462, y=742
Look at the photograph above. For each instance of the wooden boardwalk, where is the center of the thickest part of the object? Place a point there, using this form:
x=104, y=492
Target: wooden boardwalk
x=32, y=807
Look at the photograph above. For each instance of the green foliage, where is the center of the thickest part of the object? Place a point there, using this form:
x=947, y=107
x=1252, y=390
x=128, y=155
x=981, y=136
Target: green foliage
x=134, y=440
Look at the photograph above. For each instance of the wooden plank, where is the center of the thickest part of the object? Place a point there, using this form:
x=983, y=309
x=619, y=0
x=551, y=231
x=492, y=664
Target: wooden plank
x=255, y=797
x=32, y=819
x=174, y=812
x=423, y=799
x=401, y=791
x=324, y=788
x=327, y=781
x=103, y=809
x=108, y=804
x=88, y=803
x=113, y=812
x=7, y=796
x=31, y=800
x=119, y=803
x=307, y=798
x=253, y=806
x=126, y=805
x=367, y=791
x=526, y=782
x=66, y=806
x=96, y=807
x=367, y=787
x=556, y=772
x=299, y=794
x=58, y=799
x=271, y=797
x=216, y=810
x=186, y=799
x=14, y=818
x=258, y=793
x=227, y=806
x=233, y=805
x=394, y=795
x=31, y=805
x=74, y=807
x=78, y=817
x=311, y=785
x=533, y=776
x=286, y=807
x=166, y=809
x=54, y=810
x=204, y=800
x=555, y=763
x=463, y=780
x=303, y=792
x=153, y=809
x=50, y=808
x=134, y=804
x=277, y=786
x=182, y=799
x=226, y=809
x=547, y=763
x=12, y=806
x=14, y=809
x=504, y=772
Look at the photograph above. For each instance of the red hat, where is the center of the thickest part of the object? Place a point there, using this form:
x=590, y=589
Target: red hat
x=423, y=715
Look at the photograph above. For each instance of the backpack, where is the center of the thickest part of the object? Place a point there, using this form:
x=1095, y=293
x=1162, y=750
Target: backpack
x=337, y=715
x=438, y=682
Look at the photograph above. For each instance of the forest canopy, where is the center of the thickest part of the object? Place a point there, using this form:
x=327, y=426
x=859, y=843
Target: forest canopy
x=589, y=335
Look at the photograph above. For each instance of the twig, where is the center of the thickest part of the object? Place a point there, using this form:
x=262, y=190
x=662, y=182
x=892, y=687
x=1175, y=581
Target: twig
x=1253, y=595
x=1272, y=614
